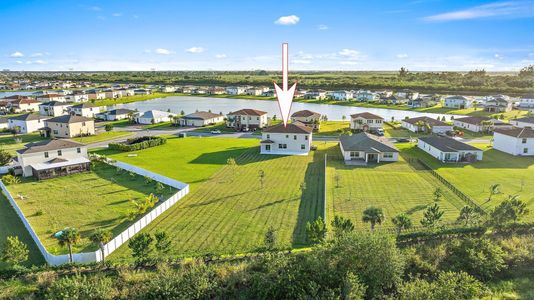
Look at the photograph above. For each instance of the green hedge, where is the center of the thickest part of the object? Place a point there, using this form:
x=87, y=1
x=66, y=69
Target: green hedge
x=139, y=143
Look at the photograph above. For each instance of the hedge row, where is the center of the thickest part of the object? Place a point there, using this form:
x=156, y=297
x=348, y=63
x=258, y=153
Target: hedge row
x=138, y=143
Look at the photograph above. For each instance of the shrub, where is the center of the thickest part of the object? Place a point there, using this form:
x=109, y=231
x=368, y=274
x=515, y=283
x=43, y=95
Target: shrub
x=138, y=143
x=82, y=287
x=10, y=179
x=108, y=127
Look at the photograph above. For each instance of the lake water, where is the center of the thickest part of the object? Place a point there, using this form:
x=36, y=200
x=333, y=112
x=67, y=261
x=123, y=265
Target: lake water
x=7, y=94
x=225, y=105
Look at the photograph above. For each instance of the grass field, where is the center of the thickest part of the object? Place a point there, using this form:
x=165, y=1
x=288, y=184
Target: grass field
x=129, y=99
x=102, y=136
x=10, y=143
x=514, y=174
x=395, y=187
x=332, y=128
x=86, y=201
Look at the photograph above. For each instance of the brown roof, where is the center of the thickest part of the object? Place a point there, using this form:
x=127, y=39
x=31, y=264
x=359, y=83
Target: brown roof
x=367, y=116
x=290, y=128
x=473, y=120
x=304, y=114
x=15, y=97
x=69, y=119
x=248, y=112
x=50, y=96
x=428, y=120
x=25, y=101
x=50, y=145
x=517, y=132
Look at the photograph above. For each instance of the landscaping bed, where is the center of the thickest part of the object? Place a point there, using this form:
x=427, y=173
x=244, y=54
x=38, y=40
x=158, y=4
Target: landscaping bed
x=139, y=143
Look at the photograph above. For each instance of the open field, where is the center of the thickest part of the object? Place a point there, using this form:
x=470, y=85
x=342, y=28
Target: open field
x=86, y=201
x=514, y=174
x=12, y=143
x=102, y=136
x=10, y=225
x=395, y=187
x=230, y=212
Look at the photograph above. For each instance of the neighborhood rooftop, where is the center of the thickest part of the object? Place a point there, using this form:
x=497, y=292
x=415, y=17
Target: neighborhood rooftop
x=517, y=132
x=49, y=145
x=304, y=114
x=529, y=120
x=428, y=120
x=296, y=127
x=367, y=115
x=201, y=115
x=27, y=117
x=447, y=144
x=69, y=119
x=366, y=142
x=248, y=112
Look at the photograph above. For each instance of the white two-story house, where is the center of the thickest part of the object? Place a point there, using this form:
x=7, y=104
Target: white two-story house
x=459, y=102
x=293, y=139
x=54, y=108
x=26, y=123
x=517, y=141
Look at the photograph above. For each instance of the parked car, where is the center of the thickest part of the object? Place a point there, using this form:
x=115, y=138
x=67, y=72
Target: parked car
x=403, y=140
x=380, y=132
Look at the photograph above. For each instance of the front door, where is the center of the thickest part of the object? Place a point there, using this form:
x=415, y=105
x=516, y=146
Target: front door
x=372, y=157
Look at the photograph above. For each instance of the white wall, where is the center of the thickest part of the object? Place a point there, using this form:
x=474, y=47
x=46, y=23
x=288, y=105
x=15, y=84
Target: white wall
x=512, y=145
x=293, y=145
x=470, y=127
x=26, y=126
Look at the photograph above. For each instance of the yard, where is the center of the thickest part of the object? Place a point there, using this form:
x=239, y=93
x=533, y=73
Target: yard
x=230, y=211
x=514, y=174
x=87, y=201
x=395, y=187
x=12, y=143
x=333, y=128
x=102, y=136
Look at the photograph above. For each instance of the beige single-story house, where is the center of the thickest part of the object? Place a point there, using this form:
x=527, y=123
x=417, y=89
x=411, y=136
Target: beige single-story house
x=24, y=105
x=247, y=119
x=516, y=141
x=307, y=117
x=366, y=122
x=68, y=126
x=364, y=148
x=447, y=149
x=53, y=158
x=201, y=118
x=293, y=139
x=51, y=97
x=419, y=124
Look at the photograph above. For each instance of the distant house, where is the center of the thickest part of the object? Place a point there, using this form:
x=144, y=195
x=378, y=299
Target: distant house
x=395, y=100
x=54, y=108
x=366, y=96
x=4, y=123
x=422, y=102
x=53, y=158
x=407, y=94
x=127, y=92
x=255, y=91
x=420, y=124
x=167, y=89
x=142, y=92
x=68, y=126
x=77, y=97
x=523, y=122
x=216, y=90
x=110, y=93
x=459, y=102
x=201, y=118
x=526, y=102
x=51, y=97
x=26, y=123
x=85, y=110
x=498, y=104
x=154, y=117
x=516, y=141
x=365, y=147
x=269, y=93
x=116, y=114
x=293, y=139
x=23, y=105
x=307, y=117
x=315, y=95
x=96, y=95
x=366, y=122
x=341, y=95
x=247, y=119
x=447, y=149
x=235, y=90
x=480, y=124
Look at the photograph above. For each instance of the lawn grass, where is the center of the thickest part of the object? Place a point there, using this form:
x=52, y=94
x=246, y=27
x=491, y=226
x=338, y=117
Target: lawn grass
x=396, y=187
x=394, y=130
x=102, y=136
x=514, y=174
x=11, y=225
x=12, y=143
x=219, y=126
x=332, y=128
x=230, y=212
x=86, y=201
x=129, y=99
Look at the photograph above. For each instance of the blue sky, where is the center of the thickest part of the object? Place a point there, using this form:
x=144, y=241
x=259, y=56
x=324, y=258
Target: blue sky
x=246, y=35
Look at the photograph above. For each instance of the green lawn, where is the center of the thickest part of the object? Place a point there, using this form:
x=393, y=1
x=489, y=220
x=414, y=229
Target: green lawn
x=395, y=187
x=86, y=201
x=219, y=126
x=107, y=102
x=332, y=128
x=395, y=130
x=11, y=144
x=514, y=174
x=102, y=136
x=11, y=225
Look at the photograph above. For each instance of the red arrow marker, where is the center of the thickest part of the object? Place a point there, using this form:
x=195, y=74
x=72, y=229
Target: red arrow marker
x=285, y=96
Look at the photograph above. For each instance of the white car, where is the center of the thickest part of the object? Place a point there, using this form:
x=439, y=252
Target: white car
x=215, y=132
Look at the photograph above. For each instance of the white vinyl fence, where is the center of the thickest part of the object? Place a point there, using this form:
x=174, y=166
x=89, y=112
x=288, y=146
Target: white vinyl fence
x=120, y=239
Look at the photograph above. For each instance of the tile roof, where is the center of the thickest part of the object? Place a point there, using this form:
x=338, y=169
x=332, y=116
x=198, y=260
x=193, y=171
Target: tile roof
x=472, y=120
x=290, y=128
x=248, y=112
x=366, y=142
x=120, y=111
x=49, y=145
x=367, y=116
x=447, y=144
x=56, y=103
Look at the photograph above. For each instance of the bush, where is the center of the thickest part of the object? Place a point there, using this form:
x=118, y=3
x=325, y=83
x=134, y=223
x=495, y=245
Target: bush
x=82, y=287
x=10, y=179
x=138, y=143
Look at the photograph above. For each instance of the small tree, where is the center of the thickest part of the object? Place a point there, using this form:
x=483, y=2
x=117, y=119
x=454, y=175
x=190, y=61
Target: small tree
x=14, y=251
x=163, y=243
x=373, y=215
x=231, y=162
x=101, y=238
x=69, y=237
x=468, y=216
x=341, y=226
x=510, y=210
x=402, y=222
x=261, y=176
x=316, y=231
x=432, y=216
x=495, y=189
x=5, y=157
x=438, y=194
x=270, y=238
x=141, y=247
x=159, y=187
x=108, y=127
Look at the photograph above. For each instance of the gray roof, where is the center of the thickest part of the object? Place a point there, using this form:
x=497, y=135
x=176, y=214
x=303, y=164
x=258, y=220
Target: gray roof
x=27, y=117
x=69, y=119
x=525, y=120
x=447, y=144
x=83, y=105
x=201, y=115
x=517, y=132
x=120, y=111
x=305, y=113
x=50, y=145
x=56, y=103
x=367, y=143
x=428, y=120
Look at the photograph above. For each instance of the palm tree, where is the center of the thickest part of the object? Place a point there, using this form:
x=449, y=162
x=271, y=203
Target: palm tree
x=101, y=237
x=373, y=215
x=401, y=222
x=495, y=189
x=69, y=237
x=468, y=215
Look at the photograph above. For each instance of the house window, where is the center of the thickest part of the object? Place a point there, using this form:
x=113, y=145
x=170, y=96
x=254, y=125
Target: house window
x=388, y=155
x=295, y=137
x=59, y=152
x=287, y=136
x=78, y=150
x=524, y=141
x=268, y=136
x=354, y=154
x=306, y=137
x=282, y=146
x=267, y=147
x=302, y=147
x=56, y=132
x=525, y=150
x=46, y=154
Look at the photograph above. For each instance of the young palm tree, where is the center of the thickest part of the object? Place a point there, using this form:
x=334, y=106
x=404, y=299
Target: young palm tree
x=101, y=237
x=69, y=237
x=373, y=215
x=402, y=222
x=495, y=189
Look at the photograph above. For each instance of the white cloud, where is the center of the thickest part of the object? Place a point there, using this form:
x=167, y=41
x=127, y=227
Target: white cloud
x=498, y=56
x=287, y=20
x=95, y=8
x=301, y=61
x=162, y=51
x=402, y=55
x=39, y=62
x=322, y=27
x=351, y=54
x=19, y=62
x=220, y=56
x=195, y=50
x=38, y=54
x=509, y=9
x=17, y=54
x=117, y=14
